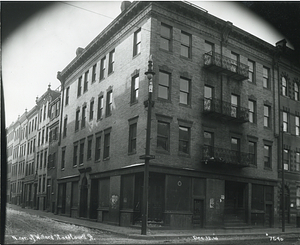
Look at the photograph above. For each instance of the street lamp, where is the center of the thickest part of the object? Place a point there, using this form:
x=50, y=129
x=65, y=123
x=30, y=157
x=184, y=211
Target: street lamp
x=150, y=73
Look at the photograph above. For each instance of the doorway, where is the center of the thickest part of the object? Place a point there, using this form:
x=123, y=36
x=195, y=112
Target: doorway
x=83, y=198
x=198, y=211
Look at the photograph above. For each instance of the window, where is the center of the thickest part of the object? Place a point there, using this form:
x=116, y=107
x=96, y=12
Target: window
x=208, y=150
x=267, y=156
x=135, y=88
x=98, y=148
x=86, y=81
x=184, y=139
x=89, y=148
x=132, y=138
x=65, y=127
x=184, y=91
x=165, y=37
x=46, y=134
x=45, y=111
x=285, y=123
x=137, y=42
x=163, y=136
x=92, y=109
x=63, y=157
x=164, y=85
x=266, y=83
x=235, y=144
x=208, y=47
x=234, y=61
x=77, y=120
x=111, y=61
x=252, y=152
x=45, y=159
x=297, y=125
x=252, y=109
x=208, y=95
x=94, y=73
x=283, y=86
x=298, y=161
x=296, y=91
x=75, y=149
x=109, y=103
x=286, y=159
x=100, y=107
x=251, y=71
x=41, y=160
x=79, y=86
x=298, y=197
x=83, y=116
x=186, y=45
x=267, y=116
x=106, y=145
x=102, y=68
x=81, y=152
x=234, y=105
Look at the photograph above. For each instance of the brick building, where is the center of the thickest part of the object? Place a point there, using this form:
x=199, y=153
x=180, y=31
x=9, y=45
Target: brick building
x=214, y=128
x=289, y=154
x=220, y=96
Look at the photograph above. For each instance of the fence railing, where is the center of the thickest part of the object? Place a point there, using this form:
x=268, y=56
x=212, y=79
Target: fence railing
x=221, y=155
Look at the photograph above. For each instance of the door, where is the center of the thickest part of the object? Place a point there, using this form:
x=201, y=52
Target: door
x=83, y=198
x=198, y=213
x=94, y=199
x=268, y=215
x=156, y=197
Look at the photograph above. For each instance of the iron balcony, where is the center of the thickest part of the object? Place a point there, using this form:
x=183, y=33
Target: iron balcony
x=225, y=110
x=222, y=64
x=226, y=157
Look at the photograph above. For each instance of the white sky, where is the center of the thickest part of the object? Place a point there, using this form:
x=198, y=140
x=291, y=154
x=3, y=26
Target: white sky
x=46, y=44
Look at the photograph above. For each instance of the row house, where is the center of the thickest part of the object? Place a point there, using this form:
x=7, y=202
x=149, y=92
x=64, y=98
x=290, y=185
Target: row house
x=289, y=153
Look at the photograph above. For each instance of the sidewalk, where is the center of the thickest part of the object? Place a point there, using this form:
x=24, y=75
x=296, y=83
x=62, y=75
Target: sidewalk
x=156, y=233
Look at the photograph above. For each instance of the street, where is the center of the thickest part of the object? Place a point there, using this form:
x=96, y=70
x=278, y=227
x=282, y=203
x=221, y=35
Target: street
x=26, y=228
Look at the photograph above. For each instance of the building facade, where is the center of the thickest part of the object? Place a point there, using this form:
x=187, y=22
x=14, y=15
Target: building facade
x=220, y=98
x=289, y=153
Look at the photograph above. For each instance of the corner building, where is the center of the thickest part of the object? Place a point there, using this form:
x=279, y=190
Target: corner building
x=213, y=130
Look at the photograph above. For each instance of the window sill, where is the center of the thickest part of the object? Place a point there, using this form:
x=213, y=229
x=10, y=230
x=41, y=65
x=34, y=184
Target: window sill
x=101, y=79
x=167, y=51
x=136, y=55
x=134, y=103
x=254, y=83
x=186, y=58
x=98, y=160
x=182, y=154
x=185, y=105
x=106, y=159
x=267, y=89
x=131, y=153
x=164, y=100
x=165, y=152
x=268, y=168
x=74, y=166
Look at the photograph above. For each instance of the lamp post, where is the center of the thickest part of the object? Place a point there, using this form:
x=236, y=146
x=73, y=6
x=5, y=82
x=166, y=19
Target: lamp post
x=150, y=73
x=282, y=182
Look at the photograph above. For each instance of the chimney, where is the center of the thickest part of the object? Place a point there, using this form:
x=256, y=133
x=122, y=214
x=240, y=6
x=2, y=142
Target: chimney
x=79, y=51
x=125, y=5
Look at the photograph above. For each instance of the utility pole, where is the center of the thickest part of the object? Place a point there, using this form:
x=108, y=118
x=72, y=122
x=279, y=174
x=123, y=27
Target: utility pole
x=150, y=73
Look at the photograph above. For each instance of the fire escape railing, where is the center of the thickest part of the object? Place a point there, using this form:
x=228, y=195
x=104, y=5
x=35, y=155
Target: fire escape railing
x=235, y=67
x=226, y=156
x=226, y=109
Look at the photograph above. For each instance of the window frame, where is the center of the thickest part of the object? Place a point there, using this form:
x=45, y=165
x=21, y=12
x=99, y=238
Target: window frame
x=181, y=140
x=266, y=77
x=297, y=125
x=267, y=117
x=137, y=40
x=165, y=137
x=79, y=86
x=75, y=154
x=109, y=102
x=111, y=63
x=168, y=86
x=296, y=91
x=268, y=164
x=135, y=89
x=102, y=68
x=186, y=46
x=132, y=142
x=94, y=73
x=251, y=71
x=100, y=107
x=187, y=93
x=252, y=111
x=83, y=116
x=106, y=146
x=92, y=104
x=165, y=38
x=284, y=86
x=285, y=121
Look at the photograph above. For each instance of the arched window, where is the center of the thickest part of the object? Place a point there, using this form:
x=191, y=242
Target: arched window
x=296, y=89
x=284, y=86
